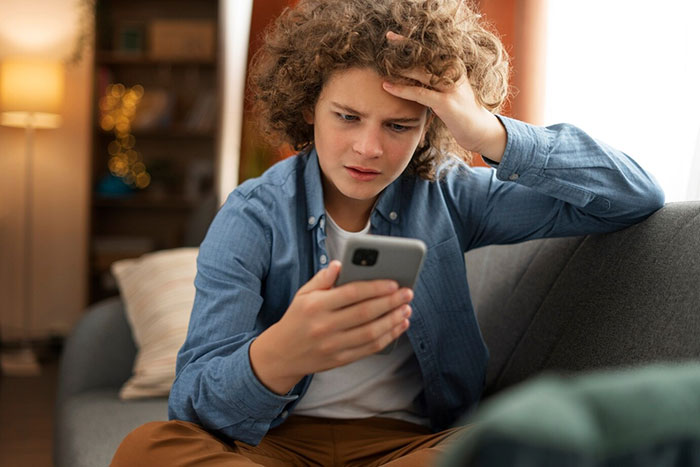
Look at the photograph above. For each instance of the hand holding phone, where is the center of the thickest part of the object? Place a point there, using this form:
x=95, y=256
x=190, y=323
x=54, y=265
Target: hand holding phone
x=325, y=327
x=370, y=257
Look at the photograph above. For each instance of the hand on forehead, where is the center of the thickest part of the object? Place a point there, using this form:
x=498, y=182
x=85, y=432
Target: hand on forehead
x=417, y=76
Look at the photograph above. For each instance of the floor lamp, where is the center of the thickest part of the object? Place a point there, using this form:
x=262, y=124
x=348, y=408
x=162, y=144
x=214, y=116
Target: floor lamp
x=31, y=97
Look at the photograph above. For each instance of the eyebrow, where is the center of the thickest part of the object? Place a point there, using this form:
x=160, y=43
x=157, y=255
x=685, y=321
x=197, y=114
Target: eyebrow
x=352, y=111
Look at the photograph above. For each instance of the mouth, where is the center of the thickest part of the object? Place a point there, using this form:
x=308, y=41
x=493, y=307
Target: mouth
x=362, y=173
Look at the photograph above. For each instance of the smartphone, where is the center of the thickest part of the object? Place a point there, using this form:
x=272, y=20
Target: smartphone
x=369, y=257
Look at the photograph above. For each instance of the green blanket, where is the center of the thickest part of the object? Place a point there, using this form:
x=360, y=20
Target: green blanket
x=647, y=416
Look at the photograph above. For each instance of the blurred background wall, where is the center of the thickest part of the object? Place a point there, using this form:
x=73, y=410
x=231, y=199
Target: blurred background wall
x=46, y=30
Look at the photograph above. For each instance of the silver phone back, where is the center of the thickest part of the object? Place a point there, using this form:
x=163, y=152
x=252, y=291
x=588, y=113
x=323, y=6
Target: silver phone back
x=398, y=258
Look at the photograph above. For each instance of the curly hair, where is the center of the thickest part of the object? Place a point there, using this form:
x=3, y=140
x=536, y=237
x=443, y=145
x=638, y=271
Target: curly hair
x=309, y=42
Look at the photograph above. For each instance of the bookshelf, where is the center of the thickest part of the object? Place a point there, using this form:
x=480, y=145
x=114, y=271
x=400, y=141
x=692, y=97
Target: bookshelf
x=156, y=113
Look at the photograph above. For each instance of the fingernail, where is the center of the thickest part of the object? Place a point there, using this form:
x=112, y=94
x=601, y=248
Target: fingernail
x=406, y=311
x=406, y=294
x=333, y=266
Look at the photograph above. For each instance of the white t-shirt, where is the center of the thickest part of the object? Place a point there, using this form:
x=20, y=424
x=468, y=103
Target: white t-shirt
x=375, y=386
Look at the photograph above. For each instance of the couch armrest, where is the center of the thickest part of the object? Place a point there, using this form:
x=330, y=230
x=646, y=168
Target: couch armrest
x=619, y=299
x=99, y=353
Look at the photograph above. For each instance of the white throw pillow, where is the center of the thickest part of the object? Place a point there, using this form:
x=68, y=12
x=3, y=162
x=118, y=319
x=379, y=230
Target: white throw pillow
x=158, y=293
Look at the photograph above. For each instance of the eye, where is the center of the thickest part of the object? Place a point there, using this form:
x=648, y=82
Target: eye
x=398, y=128
x=346, y=117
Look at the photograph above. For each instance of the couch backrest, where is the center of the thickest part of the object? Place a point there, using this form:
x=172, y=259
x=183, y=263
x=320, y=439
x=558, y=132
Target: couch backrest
x=572, y=304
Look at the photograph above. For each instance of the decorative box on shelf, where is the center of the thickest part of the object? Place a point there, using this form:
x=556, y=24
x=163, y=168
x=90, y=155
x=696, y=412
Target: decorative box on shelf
x=173, y=39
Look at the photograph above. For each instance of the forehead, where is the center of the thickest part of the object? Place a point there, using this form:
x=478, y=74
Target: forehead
x=361, y=89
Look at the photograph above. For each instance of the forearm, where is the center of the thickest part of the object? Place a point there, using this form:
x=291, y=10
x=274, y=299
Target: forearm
x=564, y=162
x=551, y=182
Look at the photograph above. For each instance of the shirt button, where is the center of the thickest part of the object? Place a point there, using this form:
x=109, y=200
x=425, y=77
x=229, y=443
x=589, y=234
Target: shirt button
x=513, y=177
x=323, y=259
x=312, y=220
x=393, y=215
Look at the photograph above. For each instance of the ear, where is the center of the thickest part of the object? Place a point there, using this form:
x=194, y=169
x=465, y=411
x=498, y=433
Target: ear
x=308, y=116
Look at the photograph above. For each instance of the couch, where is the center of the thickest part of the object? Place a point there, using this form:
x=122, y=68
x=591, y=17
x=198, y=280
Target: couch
x=565, y=305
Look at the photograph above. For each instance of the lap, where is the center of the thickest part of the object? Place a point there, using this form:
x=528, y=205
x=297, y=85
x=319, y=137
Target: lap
x=178, y=443
x=299, y=441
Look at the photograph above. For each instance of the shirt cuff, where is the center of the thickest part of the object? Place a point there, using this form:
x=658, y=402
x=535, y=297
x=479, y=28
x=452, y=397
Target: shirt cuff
x=526, y=153
x=256, y=400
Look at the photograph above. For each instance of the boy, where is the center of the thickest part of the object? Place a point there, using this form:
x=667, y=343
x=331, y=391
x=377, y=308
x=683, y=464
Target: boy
x=382, y=98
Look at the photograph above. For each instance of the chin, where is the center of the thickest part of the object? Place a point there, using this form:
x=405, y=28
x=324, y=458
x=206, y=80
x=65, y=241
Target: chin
x=361, y=195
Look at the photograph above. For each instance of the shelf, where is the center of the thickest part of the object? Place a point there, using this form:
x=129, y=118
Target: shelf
x=175, y=132
x=108, y=58
x=176, y=128
x=142, y=201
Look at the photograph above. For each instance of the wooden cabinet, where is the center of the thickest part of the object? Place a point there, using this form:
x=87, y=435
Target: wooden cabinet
x=156, y=123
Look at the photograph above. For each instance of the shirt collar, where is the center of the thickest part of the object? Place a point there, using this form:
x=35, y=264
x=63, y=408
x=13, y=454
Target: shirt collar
x=315, y=210
x=388, y=205
x=389, y=202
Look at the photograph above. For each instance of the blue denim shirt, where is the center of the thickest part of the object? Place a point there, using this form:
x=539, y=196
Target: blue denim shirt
x=269, y=239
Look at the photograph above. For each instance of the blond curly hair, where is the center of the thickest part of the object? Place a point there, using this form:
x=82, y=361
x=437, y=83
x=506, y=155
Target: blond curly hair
x=309, y=42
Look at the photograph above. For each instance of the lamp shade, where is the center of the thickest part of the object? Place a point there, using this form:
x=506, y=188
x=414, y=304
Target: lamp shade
x=31, y=93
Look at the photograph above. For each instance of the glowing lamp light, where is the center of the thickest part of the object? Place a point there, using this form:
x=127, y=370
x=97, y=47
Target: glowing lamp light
x=31, y=93
x=31, y=97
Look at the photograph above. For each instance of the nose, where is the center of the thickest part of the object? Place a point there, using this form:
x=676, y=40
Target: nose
x=369, y=142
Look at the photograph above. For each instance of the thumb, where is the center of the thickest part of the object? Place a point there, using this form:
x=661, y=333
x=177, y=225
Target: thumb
x=323, y=279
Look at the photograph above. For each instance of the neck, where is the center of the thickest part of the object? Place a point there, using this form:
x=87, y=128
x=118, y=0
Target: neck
x=350, y=214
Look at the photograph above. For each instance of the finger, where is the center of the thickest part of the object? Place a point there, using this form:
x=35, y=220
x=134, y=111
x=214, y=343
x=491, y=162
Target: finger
x=357, y=292
x=369, y=339
x=424, y=96
x=395, y=37
x=323, y=279
x=370, y=310
x=417, y=74
x=420, y=75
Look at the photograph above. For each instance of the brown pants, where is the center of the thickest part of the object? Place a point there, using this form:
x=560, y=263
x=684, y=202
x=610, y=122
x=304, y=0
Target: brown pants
x=300, y=441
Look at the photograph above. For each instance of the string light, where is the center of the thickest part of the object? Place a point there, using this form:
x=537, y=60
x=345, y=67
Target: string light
x=117, y=110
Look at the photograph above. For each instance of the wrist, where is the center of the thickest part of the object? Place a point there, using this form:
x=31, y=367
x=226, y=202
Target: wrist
x=269, y=365
x=495, y=137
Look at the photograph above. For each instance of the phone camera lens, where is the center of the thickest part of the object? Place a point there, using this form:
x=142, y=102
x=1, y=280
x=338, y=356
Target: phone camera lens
x=365, y=257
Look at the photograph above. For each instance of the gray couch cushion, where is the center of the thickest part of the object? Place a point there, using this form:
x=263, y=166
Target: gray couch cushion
x=96, y=422
x=618, y=299
x=508, y=284
x=99, y=353
x=90, y=419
